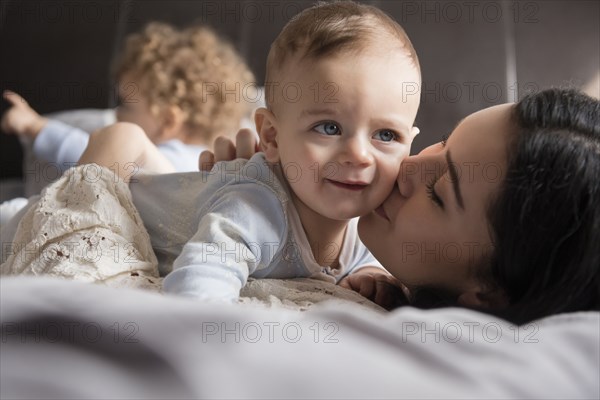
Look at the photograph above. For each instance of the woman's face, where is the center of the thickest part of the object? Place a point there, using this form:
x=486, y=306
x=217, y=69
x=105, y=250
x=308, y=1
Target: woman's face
x=432, y=229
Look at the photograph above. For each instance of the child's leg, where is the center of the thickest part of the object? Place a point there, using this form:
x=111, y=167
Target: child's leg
x=124, y=148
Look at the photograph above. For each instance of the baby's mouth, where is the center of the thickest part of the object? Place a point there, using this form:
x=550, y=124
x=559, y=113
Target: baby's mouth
x=349, y=185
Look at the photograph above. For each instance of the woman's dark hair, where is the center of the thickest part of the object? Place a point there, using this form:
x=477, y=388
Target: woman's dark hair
x=545, y=221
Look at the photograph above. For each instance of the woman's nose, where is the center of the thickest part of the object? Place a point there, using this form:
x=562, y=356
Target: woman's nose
x=408, y=177
x=418, y=170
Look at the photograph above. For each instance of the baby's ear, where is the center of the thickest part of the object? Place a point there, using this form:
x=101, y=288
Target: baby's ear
x=173, y=120
x=414, y=132
x=266, y=126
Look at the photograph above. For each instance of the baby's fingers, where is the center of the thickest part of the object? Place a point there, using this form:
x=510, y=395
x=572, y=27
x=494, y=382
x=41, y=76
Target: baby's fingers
x=14, y=98
x=206, y=160
x=224, y=149
x=245, y=143
x=345, y=283
x=367, y=287
x=389, y=296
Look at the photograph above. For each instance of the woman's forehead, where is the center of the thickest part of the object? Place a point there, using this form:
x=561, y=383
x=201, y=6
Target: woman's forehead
x=484, y=135
x=478, y=148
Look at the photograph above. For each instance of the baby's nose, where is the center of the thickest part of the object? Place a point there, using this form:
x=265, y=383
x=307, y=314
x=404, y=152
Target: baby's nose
x=356, y=152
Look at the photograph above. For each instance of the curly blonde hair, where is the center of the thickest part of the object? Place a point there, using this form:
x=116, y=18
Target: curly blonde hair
x=193, y=69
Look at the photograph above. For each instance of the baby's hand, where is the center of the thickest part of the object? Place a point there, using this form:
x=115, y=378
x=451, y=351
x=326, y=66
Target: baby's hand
x=21, y=119
x=378, y=286
x=246, y=144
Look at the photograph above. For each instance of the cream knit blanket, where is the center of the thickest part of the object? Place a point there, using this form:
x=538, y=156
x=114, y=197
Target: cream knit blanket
x=85, y=227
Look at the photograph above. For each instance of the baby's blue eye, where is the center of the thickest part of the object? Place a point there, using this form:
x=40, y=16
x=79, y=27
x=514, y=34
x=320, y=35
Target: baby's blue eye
x=386, y=135
x=327, y=128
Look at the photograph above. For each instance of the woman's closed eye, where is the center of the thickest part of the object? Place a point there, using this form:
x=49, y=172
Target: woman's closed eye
x=432, y=194
x=327, y=128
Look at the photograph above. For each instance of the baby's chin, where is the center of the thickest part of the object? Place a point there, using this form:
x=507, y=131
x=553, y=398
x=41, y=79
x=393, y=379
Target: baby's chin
x=345, y=214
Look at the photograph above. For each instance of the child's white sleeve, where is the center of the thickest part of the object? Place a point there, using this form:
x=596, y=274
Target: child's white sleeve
x=239, y=233
x=361, y=256
x=60, y=143
x=366, y=260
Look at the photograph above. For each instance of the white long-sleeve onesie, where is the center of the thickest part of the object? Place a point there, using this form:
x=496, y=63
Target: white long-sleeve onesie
x=64, y=144
x=217, y=228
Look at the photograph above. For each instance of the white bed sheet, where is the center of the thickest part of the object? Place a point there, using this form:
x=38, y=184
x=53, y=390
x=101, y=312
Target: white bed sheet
x=64, y=339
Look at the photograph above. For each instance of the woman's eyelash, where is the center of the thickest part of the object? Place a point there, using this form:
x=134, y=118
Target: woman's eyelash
x=430, y=186
x=444, y=140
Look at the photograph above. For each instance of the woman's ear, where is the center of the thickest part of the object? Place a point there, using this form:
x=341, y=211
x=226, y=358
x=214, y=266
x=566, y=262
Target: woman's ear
x=266, y=126
x=483, y=299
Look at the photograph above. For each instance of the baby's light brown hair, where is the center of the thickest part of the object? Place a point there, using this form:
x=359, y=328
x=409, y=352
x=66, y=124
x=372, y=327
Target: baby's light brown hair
x=193, y=69
x=329, y=29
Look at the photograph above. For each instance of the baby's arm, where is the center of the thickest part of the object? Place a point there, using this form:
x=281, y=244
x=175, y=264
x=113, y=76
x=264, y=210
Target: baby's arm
x=124, y=148
x=21, y=119
x=367, y=276
x=377, y=285
x=53, y=141
x=240, y=233
x=61, y=144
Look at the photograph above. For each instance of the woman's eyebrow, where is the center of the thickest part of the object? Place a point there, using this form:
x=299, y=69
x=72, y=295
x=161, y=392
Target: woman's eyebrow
x=455, y=181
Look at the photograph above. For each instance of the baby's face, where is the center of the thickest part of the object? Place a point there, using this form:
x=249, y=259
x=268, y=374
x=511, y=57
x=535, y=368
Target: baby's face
x=344, y=124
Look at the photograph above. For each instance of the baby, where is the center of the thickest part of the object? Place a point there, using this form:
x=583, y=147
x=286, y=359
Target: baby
x=337, y=125
x=341, y=103
x=164, y=77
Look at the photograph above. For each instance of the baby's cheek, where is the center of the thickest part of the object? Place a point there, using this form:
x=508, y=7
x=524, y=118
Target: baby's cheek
x=381, y=189
x=405, y=153
x=389, y=173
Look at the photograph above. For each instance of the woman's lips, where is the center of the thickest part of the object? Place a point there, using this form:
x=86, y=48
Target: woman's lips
x=381, y=212
x=354, y=186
